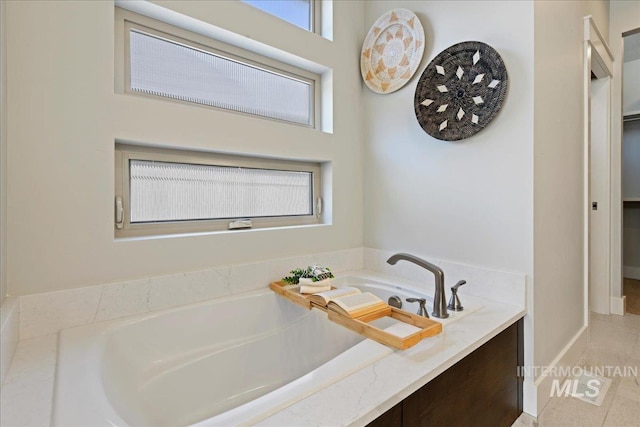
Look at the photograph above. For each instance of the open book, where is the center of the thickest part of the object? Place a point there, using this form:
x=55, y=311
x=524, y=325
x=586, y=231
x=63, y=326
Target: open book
x=349, y=301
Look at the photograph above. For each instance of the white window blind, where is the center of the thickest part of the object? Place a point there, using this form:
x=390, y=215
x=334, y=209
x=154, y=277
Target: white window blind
x=166, y=68
x=164, y=191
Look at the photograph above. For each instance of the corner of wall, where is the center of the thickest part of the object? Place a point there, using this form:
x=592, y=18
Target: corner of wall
x=559, y=165
x=537, y=391
x=9, y=334
x=3, y=154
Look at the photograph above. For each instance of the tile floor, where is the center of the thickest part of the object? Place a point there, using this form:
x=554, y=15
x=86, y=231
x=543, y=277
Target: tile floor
x=614, y=341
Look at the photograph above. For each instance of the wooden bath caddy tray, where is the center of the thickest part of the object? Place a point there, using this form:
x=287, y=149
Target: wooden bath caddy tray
x=362, y=324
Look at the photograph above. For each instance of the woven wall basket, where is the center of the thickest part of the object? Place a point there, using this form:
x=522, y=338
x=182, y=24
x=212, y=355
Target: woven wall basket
x=392, y=51
x=461, y=91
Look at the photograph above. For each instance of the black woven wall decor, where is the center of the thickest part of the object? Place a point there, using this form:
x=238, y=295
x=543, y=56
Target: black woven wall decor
x=461, y=91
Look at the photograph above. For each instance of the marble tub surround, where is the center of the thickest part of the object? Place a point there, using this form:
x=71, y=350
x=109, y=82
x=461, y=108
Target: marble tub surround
x=501, y=286
x=363, y=396
x=27, y=394
x=354, y=400
x=47, y=313
x=9, y=334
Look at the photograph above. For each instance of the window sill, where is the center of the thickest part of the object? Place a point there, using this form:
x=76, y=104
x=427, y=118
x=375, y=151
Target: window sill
x=218, y=232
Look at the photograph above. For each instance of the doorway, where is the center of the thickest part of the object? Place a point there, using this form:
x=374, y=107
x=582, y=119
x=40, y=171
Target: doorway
x=598, y=70
x=631, y=171
x=599, y=189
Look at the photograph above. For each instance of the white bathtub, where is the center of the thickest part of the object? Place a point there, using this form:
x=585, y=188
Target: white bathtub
x=229, y=361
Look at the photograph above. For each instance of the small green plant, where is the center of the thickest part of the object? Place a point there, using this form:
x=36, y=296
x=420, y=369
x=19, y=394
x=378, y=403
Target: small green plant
x=294, y=279
x=313, y=272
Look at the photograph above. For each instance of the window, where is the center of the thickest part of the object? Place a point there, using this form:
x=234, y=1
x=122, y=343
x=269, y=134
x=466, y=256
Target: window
x=160, y=191
x=168, y=64
x=298, y=12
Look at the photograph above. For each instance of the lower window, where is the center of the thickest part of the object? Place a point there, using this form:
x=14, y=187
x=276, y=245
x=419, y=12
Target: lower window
x=161, y=191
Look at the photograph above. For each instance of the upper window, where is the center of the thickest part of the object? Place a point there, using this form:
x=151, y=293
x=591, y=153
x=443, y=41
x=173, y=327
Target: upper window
x=160, y=191
x=165, y=65
x=297, y=12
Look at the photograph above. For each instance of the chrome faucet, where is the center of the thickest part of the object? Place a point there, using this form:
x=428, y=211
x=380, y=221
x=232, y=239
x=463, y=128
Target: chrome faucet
x=439, y=299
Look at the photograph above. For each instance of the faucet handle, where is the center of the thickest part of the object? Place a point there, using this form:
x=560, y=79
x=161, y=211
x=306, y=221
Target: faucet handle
x=455, y=287
x=454, y=301
x=422, y=311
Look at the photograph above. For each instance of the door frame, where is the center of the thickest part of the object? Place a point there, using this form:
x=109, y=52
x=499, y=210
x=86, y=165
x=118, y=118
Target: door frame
x=598, y=60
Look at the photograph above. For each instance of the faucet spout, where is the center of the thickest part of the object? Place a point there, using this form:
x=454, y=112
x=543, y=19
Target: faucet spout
x=439, y=300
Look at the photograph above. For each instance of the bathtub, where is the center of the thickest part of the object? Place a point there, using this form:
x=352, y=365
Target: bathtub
x=228, y=361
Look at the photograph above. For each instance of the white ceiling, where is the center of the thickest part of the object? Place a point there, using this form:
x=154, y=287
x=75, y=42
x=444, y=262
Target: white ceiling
x=632, y=47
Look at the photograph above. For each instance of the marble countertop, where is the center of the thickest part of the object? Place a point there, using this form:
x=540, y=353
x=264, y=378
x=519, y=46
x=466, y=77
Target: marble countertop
x=363, y=396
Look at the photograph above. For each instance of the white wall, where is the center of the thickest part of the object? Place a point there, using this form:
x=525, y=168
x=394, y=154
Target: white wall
x=631, y=239
x=468, y=201
x=624, y=17
x=631, y=189
x=65, y=118
x=558, y=172
x=631, y=160
x=631, y=131
x=3, y=156
x=631, y=87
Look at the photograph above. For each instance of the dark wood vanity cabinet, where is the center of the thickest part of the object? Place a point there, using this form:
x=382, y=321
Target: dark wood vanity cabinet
x=483, y=389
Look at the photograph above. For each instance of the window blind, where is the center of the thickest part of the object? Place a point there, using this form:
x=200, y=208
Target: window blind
x=164, y=191
x=169, y=69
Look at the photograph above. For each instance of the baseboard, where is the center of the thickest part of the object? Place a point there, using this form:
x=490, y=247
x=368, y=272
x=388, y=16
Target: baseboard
x=618, y=305
x=529, y=398
x=9, y=334
x=538, y=393
x=631, y=272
